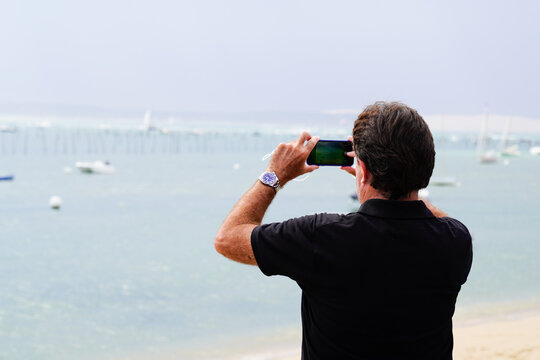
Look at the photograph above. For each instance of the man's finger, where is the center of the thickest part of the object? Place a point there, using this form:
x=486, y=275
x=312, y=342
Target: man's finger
x=351, y=154
x=311, y=143
x=349, y=169
x=350, y=138
x=311, y=168
x=304, y=136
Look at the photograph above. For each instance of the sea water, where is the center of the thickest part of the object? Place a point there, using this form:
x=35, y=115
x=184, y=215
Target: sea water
x=127, y=265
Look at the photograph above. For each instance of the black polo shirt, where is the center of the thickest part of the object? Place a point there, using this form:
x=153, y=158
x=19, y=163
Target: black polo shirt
x=380, y=283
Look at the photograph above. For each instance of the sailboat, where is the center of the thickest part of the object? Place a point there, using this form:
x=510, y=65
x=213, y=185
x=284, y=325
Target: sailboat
x=508, y=150
x=444, y=180
x=149, y=127
x=486, y=156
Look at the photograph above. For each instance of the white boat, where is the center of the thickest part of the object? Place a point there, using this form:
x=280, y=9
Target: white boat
x=43, y=125
x=147, y=126
x=508, y=150
x=96, y=167
x=8, y=129
x=535, y=150
x=511, y=151
x=444, y=180
x=486, y=156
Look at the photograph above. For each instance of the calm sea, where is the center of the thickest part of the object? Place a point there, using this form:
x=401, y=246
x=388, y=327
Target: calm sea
x=127, y=266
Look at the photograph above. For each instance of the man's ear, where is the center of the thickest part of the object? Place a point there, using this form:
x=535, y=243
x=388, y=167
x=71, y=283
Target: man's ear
x=364, y=174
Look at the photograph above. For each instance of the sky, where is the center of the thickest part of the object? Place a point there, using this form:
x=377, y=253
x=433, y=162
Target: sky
x=452, y=57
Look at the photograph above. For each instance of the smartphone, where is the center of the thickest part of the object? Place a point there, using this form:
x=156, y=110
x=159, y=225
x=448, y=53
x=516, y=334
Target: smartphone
x=331, y=152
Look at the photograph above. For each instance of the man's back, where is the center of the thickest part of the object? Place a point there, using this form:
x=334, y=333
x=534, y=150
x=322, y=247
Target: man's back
x=377, y=284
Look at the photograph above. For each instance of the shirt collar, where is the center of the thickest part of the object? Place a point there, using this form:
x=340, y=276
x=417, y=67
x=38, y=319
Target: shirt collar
x=415, y=209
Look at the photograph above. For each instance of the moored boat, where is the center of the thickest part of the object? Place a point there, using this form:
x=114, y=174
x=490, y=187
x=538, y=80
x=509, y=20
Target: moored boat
x=95, y=167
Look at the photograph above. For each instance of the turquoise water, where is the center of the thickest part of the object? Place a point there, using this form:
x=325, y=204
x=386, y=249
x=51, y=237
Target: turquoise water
x=127, y=265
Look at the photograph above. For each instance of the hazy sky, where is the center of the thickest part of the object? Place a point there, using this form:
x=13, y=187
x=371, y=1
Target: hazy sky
x=453, y=56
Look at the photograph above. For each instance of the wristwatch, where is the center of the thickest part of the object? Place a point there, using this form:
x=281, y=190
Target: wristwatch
x=269, y=178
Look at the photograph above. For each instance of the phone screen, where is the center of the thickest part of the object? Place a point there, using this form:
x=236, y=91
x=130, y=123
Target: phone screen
x=331, y=152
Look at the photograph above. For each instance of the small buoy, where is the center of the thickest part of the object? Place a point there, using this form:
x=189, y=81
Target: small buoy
x=236, y=166
x=55, y=202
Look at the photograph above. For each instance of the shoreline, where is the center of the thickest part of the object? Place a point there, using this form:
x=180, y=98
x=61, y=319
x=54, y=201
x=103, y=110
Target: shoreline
x=505, y=336
x=500, y=336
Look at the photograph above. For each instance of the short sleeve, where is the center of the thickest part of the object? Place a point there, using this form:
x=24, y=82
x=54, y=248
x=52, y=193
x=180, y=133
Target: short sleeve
x=464, y=247
x=468, y=256
x=468, y=262
x=285, y=248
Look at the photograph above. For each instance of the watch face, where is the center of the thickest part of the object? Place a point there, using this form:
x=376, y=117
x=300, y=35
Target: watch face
x=269, y=178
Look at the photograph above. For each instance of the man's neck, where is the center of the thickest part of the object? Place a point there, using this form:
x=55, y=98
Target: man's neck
x=367, y=192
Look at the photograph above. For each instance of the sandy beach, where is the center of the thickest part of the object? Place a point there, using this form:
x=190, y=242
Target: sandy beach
x=507, y=338
x=504, y=337
x=511, y=337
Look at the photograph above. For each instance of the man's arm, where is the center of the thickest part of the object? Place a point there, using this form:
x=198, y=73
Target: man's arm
x=233, y=239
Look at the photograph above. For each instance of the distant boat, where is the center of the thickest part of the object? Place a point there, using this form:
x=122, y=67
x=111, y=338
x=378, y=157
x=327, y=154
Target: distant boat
x=43, y=125
x=508, y=150
x=7, y=178
x=149, y=127
x=444, y=181
x=486, y=156
x=96, y=167
x=8, y=129
x=535, y=150
x=511, y=151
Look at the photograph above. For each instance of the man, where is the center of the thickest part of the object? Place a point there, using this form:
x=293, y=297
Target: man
x=380, y=283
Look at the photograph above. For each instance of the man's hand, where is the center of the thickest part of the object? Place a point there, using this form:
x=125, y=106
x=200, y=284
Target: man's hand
x=289, y=160
x=350, y=169
x=233, y=239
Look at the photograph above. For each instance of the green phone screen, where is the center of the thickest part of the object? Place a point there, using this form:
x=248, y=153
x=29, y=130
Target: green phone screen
x=331, y=152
